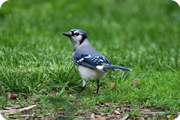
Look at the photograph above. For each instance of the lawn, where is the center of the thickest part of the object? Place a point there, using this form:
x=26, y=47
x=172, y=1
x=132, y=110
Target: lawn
x=36, y=67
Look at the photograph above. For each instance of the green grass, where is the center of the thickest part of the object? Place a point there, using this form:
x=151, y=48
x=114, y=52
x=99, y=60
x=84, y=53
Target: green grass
x=35, y=58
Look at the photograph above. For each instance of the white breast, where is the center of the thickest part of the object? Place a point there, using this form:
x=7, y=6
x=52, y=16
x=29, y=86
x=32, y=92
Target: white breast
x=90, y=74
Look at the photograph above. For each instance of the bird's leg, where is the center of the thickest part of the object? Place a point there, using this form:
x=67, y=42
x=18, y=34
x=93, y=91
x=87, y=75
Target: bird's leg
x=98, y=85
x=84, y=85
x=81, y=89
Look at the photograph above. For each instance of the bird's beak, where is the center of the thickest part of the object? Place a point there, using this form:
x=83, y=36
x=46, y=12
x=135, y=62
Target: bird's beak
x=68, y=34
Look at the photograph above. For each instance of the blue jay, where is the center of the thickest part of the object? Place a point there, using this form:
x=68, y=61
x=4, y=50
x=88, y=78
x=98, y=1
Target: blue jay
x=90, y=63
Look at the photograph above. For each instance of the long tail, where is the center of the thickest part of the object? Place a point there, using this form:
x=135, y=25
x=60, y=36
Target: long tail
x=116, y=67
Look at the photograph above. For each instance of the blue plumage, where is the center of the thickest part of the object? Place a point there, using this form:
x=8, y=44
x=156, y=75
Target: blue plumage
x=90, y=63
x=90, y=60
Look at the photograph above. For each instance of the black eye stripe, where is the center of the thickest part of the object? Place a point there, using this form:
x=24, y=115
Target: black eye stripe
x=72, y=33
x=75, y=33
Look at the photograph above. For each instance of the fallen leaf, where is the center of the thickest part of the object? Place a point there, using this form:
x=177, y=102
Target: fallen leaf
x=147, y=110
x=135, y=82
x=92, y=115
x=113, y=84
x=9, y=95
x=136, y=118
x=168, y=116
x=104, y=114
x=71, y=95
x=25, y=70
x=169, y=92
x=116, y=112
x=98, y=116
x=101, y=105
x=125, y=117
x=12, y=95
x=126, y=102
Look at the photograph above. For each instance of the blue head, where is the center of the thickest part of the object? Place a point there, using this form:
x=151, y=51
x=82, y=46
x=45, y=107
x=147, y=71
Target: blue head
x=76, y=36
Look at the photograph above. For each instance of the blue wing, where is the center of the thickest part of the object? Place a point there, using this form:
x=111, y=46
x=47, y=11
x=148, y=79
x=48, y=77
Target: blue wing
x=91, y=60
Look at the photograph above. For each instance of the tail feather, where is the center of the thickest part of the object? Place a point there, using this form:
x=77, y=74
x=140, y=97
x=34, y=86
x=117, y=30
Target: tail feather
x=116, y=67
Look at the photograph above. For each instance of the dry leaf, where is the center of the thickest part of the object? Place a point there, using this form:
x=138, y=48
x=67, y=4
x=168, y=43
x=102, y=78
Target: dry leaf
x=168, y=116
x=9, y=95
x=92, y=115
x=25, y=70
x=126, y=102
x=135, y=82
x=98, y=116
x=136, y=118
x=146, y=110
x=169, y=92
x=113, y=84
x=125, y=117
x=101, y=105
x=105, y=114
x=116, y=112
x=12, y=95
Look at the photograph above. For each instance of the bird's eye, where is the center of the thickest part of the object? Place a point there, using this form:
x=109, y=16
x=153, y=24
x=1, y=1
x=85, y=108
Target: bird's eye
x=76, y=34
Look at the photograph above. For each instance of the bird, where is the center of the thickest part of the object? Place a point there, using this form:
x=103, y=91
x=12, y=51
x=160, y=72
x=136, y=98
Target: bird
x=90, y=63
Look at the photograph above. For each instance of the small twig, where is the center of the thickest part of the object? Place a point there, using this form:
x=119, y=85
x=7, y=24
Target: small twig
x=12, y=107
x=16, y=110
x=24, y=115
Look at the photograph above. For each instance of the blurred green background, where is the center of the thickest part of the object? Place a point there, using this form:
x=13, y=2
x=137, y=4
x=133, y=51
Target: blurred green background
x=139, y=34
x=136, y=28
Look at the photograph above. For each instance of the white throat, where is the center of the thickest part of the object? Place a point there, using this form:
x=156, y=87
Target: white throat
x=75, y=44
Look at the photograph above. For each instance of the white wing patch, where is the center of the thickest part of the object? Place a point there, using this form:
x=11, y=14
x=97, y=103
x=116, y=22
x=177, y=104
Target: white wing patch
x=80, y=60
x=88, y=56
x=99, y=67
x=83, y=58
x=101, y=60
